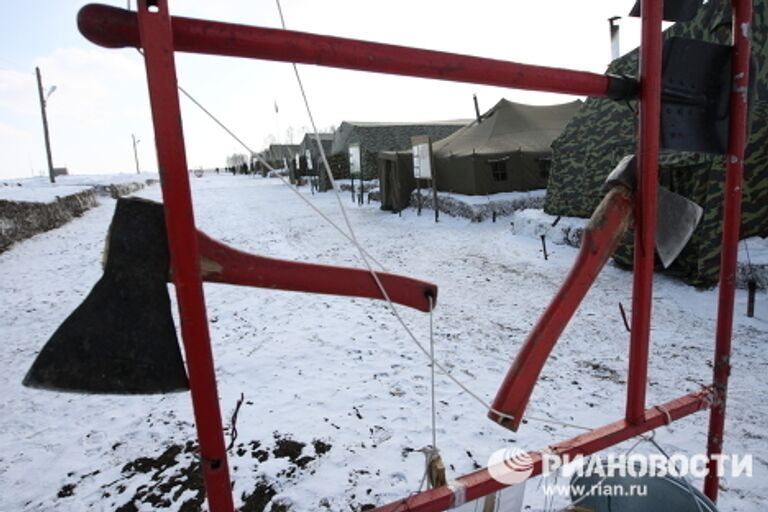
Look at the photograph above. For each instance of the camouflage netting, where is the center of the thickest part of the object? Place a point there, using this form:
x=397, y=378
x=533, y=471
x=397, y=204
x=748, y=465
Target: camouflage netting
x=603, y=131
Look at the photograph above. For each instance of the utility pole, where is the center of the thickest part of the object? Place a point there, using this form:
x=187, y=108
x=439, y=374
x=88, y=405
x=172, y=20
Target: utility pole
x=135, y=153
x=43, y=100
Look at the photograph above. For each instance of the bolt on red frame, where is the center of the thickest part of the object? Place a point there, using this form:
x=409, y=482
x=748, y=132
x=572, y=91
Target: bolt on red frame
x=160, y=36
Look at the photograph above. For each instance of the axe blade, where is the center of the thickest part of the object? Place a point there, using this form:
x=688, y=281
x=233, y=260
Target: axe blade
x=676, y=220
x=121, y=339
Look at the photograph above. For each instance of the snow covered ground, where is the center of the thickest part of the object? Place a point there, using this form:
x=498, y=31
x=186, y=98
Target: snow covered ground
x=336, y=395
x=41, y=190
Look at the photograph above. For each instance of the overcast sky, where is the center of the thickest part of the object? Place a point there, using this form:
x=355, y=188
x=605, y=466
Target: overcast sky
x=101, y=95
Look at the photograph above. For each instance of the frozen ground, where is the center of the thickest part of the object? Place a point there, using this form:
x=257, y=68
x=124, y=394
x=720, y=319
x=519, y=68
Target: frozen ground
x=340, y=375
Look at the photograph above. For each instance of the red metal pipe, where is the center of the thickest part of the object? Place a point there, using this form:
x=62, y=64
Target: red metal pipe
x=645, y=205
x=156, y=37
x=481, y=483
x=737, y=141
x=224, y=264
x=115, y=28
x=601, y=236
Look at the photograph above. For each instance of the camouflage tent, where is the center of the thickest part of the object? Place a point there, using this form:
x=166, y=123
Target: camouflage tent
x=375, y=137
x=603, y=131
x=507, y=149
x=396, y=181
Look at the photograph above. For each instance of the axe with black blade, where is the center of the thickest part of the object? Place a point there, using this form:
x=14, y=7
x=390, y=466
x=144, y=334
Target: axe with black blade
x=122, y=339
x=677, y=217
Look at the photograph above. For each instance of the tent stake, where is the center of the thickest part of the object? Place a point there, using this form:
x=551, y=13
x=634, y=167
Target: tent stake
x=751, y=289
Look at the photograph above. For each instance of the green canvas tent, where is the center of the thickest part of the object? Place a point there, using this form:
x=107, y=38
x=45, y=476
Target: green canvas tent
x=507, y=149
x=396, y=181
x=375, y=137
x=310, y=159
x=603, y=131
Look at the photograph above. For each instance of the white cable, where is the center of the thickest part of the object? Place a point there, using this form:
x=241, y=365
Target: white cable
x=328, y=172
x=432, y=372
x=266, y=164
x=364, y=256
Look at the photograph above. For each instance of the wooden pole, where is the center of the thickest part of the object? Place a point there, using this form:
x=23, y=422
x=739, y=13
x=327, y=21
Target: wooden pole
x=43, y=102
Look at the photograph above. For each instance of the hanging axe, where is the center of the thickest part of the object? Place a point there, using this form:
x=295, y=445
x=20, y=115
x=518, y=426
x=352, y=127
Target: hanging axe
x=122, y=339
x=677, y=217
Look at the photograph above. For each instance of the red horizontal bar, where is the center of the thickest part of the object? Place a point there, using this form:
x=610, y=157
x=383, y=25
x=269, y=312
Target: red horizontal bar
x=481, y=483
x=117, y=28
x=224, y=264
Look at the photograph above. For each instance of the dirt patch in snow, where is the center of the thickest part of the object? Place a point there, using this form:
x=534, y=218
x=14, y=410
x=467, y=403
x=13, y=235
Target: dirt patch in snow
x=173, y=478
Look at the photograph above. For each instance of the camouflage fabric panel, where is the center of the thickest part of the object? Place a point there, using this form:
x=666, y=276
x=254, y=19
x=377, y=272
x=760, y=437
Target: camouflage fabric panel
x=603, y=131
x=754, y=216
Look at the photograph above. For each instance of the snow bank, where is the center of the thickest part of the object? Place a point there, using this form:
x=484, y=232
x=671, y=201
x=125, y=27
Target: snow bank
x=479, y=208
x=558, y=230
x=753, y=263
x=34, y=205
x=753, y=252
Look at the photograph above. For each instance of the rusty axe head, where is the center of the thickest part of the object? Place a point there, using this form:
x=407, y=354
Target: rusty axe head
x=676, y=216
x=121, y=339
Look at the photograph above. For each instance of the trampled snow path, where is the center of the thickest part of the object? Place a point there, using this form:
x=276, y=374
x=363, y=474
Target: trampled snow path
x=324, y=370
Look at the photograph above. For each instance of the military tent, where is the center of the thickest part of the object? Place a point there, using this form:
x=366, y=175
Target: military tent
x=375, y=137
x=603, y=131
x=396, y=181
x=310, y=159
x=278, y=155
x=507, y=149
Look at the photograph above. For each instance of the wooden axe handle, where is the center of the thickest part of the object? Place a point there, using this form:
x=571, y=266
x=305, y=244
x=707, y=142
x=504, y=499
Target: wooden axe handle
x=223, y=264
x=601, y=236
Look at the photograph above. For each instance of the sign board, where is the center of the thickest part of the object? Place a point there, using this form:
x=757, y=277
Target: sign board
x=308, y=157
x=354, y=159
x=298, y=161
x=422, y=157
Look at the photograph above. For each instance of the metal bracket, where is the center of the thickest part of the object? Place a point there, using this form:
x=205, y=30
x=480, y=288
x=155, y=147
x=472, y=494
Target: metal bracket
x=696, y=88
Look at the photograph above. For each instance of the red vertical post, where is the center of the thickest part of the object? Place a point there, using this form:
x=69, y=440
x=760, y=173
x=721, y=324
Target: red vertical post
x=737, y=141
x=645, y=205
x=157, y=41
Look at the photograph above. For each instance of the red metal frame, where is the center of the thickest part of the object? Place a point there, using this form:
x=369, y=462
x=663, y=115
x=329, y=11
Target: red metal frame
x=737, y=143
x=645, y=206
x=116, y=28
x=481, y=483
x=160, y=36
x=156, y=37
x=224, y=264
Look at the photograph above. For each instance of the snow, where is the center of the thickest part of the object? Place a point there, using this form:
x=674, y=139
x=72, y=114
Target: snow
x=41, y=190
x=322, y=369
x=494, y=198
x=754, y=250
x=533, y=222
x=39, y=194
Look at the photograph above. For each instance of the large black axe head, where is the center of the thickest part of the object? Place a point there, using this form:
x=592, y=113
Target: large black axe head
x=121, y=339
